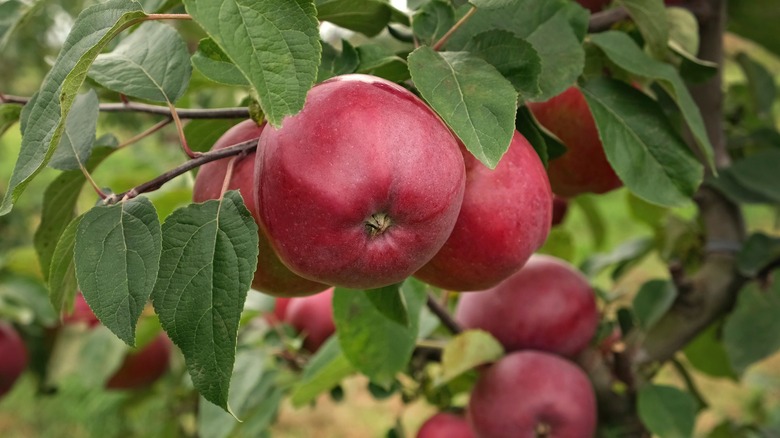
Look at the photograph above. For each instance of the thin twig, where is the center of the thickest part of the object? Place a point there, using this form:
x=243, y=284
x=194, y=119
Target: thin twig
x=454, y=28
x=91, y=181
x=689, y=383
x=158, y=126
x=180, y=129
x=443, y=315
x=604, y=20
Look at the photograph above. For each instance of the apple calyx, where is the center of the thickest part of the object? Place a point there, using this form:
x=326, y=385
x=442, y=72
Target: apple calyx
x=377, y=223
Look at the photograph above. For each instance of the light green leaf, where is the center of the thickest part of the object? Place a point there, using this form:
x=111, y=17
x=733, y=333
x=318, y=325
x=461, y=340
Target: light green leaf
x=152, y=63
x=368, y=17
x=9, y=114
x=93, y=29
x=324, y=371
x=627, y=252
x=432, y=21
x=274, y=44
x=209, y=257
x=667, y=411
x=650, y=17
x=117, y=256
x=752, y=331
x=623, y=51
x=79, y=137
x=515, y=58
x=213, y=63
x=335, y=63
x=390, y=302
x=466, y=351
x=90, y=355
x=707, y=353
x=652, y=301
x=62, y=269
x=471, y=96
x=643, y=148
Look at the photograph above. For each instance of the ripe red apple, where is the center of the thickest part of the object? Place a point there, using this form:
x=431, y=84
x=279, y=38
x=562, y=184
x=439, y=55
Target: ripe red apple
x=82, y=313
x=271, y=276
x=547, y=305
x=313, y=317
x=445, y=425
x=560, y=207
x=505, y=217
x=533, y=394
x=583, y=167
x=13, y=357
x=362, y=187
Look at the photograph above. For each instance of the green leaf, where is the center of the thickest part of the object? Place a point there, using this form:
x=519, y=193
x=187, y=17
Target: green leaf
x=645, y=212
x=471, y=96
x=667, y=411
x=14, y=14
x=757, y=253
x=9, y=114
x=59, y=205
x=213, y=63
x=652, y=301
x=758, y=174
x=390, y=302
x=379, y=61
x=756, y=20
x=492, y=3
x=650, y=17
x=335, y=63
x=752, y=331
x=117, y=256
x=559, y=243
x=325, y=370
x=93, y=29
x=274, y=44
x=707, y=353
x=562, y=56
x=61, y=270
x=90, y=355
x=466, y=351
x=761, y=85
x=368, y=17
x=684, y=41
x=377, y=346
x=628, y=252
x=513, y=57
x=594, y=218
x=647, y=154
x=623, y=51
x=432, y=21
x=79, y=137
x=202, y=134
x=208, y=260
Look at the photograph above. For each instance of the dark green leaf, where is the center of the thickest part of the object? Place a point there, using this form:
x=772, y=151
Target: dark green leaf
x=471, y=96
x=492, y=3
x=368, y=17
x=62, y=270
x=758, y=174
x=213, y=63
x=757, y=21
x=707, y=353
x=758, y=252
x=117, y=256
x=667, y=411
x=379, y=61
x=650, y=18
x=652, y=301
x=761, y=85
x=730, y=186
x=643, y=148
x=432, y=21
x=513, y=57
x=624, y=52
x=208, y=260
x=752, y=331
x=93, y=29
x=9, y=114
x=375, y=345
x=526, y=125
x=561, y=55
x=274, y=44
x=324, y=371
x=389, y=301
x=466, y=351
x=335, y=63
x=79, y=136
x=202, y=134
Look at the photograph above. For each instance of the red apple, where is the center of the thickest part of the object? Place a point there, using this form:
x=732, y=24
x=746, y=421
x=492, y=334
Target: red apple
x=547, y=305
x=143, y=366
x=560, y=207
x=594, y=5
x=13, y=357
x=313, y=317
x=82, y=313
x=271, y=276
x=505, y=217
x=362, y=187
x=583, y=167
x=533, y=394
x=445, y=425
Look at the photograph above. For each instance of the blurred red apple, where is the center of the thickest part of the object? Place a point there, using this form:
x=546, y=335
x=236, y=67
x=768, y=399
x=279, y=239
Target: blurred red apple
x=594, y=5
x=583, y=168
x=271, y=276
x=362, y=187
x=13, y=357
x=547, y=305
x=445, y=425
x=505, y=217
x=560, y=207
x=533, y=394
x=313, y=317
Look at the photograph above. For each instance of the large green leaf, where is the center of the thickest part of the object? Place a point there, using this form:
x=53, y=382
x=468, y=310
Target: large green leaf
x=466, y=351
x=376, y=345
x=667, y=411
x=758, y=174
x=650, y=17
x=472, y=97
x=758, y=252
x=368, y=17
x=213, y=63
x=61, y=269
x=378, y=60
x=117, y=256
x=79, y=136
x=324, y=371
x=208, y=260
x=432, y=21
x=707, y=353
x=9, y=114
x=623, y=51
x=752, y=331
x=643, y=148
x=93, y=29
x=515, y=58
x=152, y=63
x=274, y=44
x=390, y=302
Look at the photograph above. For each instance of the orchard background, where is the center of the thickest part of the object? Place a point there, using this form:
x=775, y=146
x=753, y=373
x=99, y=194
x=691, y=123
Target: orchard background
x=681, y=256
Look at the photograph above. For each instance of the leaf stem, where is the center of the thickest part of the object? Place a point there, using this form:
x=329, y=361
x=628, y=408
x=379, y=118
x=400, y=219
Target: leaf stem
x=454, y=28
x=92, y=182
x=180, y=128
x=168, y=17
x=689, y=383
x=443, y=315
x=159, y=125
x=228, y=175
